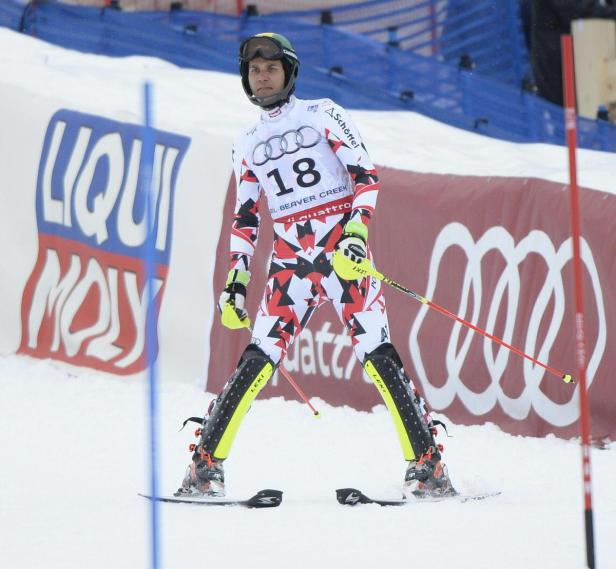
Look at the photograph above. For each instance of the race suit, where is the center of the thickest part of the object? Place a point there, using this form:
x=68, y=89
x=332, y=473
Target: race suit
x=308, y=158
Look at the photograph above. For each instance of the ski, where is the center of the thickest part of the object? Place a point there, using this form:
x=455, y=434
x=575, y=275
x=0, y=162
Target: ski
x=352, y=497
x=262, y=499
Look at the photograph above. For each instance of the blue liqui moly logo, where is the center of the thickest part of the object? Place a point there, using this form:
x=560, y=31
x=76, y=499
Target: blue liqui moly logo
x=85, y=300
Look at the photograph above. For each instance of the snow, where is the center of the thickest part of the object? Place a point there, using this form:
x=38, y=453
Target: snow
x=74, y=456
x=74, y=443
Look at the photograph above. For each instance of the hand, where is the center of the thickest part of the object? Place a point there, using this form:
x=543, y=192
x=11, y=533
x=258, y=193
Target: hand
x=232, y=300
x=352, y=245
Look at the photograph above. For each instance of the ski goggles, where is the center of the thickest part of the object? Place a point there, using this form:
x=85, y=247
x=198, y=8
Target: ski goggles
x=265, y=47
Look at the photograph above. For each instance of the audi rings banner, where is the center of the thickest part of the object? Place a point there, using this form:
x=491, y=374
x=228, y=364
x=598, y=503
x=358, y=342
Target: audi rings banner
x=495, y=251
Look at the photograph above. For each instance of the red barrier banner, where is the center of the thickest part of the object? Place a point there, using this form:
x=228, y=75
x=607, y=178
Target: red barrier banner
x=498, y=253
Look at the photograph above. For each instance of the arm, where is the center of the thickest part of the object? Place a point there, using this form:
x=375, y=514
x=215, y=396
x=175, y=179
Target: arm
x=244, y=233
x=246, y=218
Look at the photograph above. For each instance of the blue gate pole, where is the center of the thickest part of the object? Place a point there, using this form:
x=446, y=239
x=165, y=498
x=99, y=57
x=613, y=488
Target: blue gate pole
x=151, y=337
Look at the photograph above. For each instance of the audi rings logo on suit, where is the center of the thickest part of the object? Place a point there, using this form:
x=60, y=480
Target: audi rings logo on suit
x=289, y=142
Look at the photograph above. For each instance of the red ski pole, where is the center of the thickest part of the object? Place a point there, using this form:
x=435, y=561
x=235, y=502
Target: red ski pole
x=288, y=377
x=366, y=268
x=298, y=389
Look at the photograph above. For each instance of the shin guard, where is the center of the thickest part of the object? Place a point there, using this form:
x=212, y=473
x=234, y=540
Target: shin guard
x=384, y=367
x=220, y=427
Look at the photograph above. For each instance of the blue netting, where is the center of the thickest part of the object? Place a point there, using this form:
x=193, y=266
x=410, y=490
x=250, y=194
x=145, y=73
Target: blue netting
x=11, y=14
x=490, y=31
x=353, y=69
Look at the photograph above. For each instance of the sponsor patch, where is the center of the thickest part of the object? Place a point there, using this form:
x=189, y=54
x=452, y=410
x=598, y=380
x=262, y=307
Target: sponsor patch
x=344, y=128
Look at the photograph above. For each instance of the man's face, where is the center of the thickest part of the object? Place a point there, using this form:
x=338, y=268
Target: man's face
x=265, y=76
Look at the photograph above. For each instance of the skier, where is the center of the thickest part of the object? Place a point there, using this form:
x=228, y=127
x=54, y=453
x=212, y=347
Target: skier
x=308, y=158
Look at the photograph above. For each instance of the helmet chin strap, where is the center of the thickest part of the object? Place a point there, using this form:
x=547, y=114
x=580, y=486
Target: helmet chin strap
x=268, y=107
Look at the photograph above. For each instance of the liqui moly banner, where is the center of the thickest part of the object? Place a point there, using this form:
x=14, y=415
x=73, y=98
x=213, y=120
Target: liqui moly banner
x=84, y=302
x=495, y=251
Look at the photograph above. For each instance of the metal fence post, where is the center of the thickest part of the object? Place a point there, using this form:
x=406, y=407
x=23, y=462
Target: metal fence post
x=465, y=79
x=530, y=104
x=433, y=27
x=513, y=17
x=603, y=128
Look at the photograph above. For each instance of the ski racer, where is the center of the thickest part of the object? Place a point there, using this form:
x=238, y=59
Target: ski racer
x=309, y=160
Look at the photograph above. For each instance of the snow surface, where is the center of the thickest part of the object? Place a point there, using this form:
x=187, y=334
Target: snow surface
x=74, y=456
x=74, y=451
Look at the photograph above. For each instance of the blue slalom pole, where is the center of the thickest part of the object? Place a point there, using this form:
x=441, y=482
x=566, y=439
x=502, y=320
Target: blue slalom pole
x=150, y=323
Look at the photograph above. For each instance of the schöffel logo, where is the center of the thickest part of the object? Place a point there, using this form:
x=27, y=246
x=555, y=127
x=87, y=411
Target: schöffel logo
x=85, y=300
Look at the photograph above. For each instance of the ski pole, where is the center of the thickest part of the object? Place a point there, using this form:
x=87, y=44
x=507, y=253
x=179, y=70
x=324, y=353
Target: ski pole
x=366, y=268
x=298, y=389
x=231, y=316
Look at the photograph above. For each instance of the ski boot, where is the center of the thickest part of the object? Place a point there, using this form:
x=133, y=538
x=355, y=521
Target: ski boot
x=205, y=476
x=427, y=478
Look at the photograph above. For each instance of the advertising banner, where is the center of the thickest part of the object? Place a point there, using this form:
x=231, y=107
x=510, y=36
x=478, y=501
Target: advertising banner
x=495, y=251
x=84, y=302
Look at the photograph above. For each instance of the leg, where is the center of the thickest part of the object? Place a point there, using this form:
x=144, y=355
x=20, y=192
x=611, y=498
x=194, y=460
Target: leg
x=361, y=307
x=224, y=417
x=287, y=304
x=426, y=474
x=205, y=473
x=384, y=367
x=284, y=311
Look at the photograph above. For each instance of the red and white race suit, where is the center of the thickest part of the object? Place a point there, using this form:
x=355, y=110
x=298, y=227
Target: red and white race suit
x=308, y=158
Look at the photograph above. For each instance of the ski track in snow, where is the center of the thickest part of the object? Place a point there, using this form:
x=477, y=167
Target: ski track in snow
x=75, y=456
